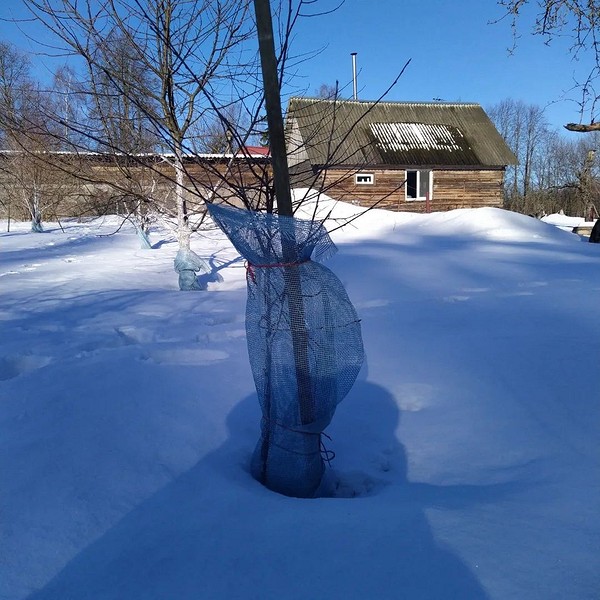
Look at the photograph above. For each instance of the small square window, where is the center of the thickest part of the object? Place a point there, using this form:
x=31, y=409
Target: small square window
x=364, y=179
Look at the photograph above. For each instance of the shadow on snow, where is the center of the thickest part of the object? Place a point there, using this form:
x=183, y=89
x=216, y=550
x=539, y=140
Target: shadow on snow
x=214, y=532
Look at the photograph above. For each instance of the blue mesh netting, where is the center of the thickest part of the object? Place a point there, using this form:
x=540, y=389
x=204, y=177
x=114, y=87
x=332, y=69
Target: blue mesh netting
x=304, y=342
x=187, y=263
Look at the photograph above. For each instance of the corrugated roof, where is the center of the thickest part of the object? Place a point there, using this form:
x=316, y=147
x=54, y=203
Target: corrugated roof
x=402, y=143
x=346, y=132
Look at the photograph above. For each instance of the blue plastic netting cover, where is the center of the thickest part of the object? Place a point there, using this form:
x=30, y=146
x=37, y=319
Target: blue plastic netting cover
x=187, y=263
x=304, y=342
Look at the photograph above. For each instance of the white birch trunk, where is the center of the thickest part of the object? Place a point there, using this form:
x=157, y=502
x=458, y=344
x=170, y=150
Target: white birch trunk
x=35, y=212
x=183, y=226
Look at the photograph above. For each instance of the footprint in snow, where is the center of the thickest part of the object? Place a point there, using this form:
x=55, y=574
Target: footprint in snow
x=456, y=298
x=134, y=335
x=377, y=303
x=13, y=366
x=350, y=484
x=187, y=356
x=31, y=267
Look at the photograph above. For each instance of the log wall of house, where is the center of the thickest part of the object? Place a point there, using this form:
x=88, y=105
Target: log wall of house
x=451, y=189
x=87, y=186
x=70, y=196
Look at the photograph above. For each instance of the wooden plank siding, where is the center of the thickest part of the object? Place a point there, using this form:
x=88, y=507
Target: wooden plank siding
x=83, y=185
x=451, y=189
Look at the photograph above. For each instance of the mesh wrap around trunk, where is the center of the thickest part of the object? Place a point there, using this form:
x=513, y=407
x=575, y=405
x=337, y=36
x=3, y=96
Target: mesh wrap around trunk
x=304, y=342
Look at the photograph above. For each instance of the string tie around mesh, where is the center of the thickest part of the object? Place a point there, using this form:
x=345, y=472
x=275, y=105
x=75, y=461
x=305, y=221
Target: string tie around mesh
x=326, y=454
x=250, y=267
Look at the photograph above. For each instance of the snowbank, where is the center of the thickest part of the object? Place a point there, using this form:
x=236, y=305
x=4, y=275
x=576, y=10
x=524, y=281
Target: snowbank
x=467, y=453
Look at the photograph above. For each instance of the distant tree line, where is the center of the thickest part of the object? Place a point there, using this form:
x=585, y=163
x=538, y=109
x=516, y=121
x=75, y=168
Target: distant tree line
x=554, y=172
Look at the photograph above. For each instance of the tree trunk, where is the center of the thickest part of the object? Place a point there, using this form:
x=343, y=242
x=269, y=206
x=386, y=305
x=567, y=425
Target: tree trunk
x=281, y=181
x=36, y=214
x=183, y=226
x=268, y=59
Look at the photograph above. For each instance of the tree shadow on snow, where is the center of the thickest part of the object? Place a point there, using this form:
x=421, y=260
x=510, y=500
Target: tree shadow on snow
x=216, y=533
x=216, y=265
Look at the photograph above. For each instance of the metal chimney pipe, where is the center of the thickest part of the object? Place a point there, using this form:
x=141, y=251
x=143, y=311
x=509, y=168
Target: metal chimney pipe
x=354, y=83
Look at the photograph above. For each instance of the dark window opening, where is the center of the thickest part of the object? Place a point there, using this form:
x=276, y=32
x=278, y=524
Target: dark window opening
x=411, y=184
x=418, y=185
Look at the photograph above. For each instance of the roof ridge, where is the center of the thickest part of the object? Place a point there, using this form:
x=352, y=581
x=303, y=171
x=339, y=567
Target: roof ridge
x=383, y=102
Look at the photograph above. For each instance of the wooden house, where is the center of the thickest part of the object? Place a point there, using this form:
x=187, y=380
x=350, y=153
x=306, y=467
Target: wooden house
x=407, y=156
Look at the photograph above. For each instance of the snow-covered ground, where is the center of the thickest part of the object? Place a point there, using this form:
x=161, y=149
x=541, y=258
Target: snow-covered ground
x=467, y=454
x=565, y=222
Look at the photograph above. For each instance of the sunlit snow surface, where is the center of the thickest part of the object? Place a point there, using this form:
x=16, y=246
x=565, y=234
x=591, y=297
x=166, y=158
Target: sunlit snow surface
x=467, y=455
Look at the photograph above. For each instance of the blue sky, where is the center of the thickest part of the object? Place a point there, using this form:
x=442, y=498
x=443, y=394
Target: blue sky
x=456, y=54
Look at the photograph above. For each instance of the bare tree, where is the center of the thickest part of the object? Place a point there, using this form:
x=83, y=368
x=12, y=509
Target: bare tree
x=215, y=133
x=27, y=138
x=328, y=91
x=123, y=127
x=182, y=51
x=535, y=130
x=70, y=102
x=116, y=77
x=525, y=130
x=580, y=21
x=554, y=173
